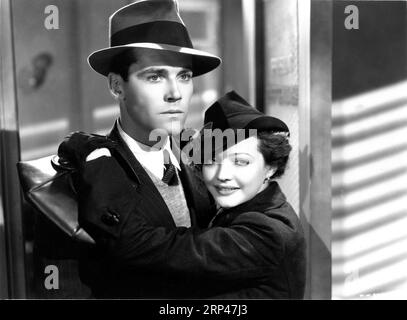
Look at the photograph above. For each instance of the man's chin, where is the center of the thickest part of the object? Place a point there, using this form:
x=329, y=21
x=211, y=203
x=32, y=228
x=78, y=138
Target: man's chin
x=165, y=131
x=174, y=128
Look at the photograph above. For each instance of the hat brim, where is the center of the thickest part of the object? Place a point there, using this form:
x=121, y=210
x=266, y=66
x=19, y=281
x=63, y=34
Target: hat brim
x=267, y=123
x=202, y=62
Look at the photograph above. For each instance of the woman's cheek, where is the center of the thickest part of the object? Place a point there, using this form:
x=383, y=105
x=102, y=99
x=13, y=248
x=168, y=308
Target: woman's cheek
x=208, y=173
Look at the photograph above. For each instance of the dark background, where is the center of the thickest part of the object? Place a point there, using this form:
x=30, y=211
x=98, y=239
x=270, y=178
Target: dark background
x=372, y=56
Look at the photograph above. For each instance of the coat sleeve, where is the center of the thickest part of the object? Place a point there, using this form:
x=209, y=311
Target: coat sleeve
x=249, y=248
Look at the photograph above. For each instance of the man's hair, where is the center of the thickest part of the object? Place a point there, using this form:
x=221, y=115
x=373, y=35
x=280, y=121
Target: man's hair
x=122, y=62
x=275, y=148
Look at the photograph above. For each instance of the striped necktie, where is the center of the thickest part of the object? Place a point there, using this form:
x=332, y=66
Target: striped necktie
x=169, y=176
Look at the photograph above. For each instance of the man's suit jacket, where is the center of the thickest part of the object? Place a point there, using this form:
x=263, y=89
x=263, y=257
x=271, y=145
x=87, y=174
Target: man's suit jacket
x=97, y=269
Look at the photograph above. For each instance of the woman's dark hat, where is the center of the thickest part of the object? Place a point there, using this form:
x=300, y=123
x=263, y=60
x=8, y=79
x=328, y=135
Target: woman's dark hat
x=233, y=112
x=150, y=25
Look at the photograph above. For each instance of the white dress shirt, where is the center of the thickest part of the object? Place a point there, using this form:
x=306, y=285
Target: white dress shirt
x=149, y=157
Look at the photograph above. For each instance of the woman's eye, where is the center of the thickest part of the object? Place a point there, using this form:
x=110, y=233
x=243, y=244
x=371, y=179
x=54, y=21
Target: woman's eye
x=241, y=162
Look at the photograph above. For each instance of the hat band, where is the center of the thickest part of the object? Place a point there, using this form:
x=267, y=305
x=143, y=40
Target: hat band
x=164, y=32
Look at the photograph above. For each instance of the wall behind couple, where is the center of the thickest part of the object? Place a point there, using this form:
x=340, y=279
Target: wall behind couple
x=57, y=90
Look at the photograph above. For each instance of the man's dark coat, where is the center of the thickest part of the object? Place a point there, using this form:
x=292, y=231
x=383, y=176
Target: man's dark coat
x=97, y=270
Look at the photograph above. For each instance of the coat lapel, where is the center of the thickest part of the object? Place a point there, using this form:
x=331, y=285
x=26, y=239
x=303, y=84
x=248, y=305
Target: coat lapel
x=153, y=205
x=200, y=205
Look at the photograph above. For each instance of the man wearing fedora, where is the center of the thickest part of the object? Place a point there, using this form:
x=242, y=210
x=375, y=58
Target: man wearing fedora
x=150, y=66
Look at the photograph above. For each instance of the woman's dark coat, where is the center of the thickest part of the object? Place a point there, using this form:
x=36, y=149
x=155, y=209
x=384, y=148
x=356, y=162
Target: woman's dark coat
x=255, y=250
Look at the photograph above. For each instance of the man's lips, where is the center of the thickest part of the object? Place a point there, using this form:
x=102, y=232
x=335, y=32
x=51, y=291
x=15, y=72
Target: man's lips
x=175, y=111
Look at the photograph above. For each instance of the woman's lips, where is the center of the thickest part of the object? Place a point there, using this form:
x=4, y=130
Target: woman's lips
x=225, y=190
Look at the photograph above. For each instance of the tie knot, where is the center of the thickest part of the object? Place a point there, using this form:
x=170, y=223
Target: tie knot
x=170, y=176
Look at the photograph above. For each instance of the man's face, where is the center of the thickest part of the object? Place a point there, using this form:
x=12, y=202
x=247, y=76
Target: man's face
x=157, y=94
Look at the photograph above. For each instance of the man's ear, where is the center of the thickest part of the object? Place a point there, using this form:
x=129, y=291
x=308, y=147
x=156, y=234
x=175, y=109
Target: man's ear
x=115, y=82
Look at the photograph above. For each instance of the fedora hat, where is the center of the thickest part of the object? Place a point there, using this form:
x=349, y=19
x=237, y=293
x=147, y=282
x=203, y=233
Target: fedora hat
x=150, y=25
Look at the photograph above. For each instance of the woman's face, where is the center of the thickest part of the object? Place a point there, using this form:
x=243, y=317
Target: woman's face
x=237, y=174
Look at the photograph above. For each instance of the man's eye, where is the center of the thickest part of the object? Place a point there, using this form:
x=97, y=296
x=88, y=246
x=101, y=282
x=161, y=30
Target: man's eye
x=186, y=76
x=153, y=78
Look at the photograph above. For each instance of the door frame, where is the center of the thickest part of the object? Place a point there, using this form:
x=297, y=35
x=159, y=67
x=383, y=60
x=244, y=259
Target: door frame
x=315, y=104
x=12, y=253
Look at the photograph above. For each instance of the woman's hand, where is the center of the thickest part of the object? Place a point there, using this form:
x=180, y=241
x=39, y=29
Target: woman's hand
x=78, y=145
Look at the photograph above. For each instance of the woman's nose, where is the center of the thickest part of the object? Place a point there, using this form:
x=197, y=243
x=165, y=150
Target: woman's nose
x=224, y=172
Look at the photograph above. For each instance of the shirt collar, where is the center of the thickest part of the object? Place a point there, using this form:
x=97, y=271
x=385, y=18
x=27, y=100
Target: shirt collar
x=138, y=148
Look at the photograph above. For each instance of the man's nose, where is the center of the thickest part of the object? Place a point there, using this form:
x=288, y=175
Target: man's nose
x=173, y=93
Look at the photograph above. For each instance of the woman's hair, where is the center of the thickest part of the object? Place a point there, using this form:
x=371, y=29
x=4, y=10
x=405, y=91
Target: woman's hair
x=275, y=148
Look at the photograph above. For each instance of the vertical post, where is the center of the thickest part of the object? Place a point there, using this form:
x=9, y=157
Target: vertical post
x=237, y=38
x=11, y=227
x=249, y=40
x=260, y=51
x=315, y=39
x=304, y=79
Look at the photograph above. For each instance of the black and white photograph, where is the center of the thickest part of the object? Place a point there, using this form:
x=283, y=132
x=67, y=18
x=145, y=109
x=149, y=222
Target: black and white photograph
x=196, y=150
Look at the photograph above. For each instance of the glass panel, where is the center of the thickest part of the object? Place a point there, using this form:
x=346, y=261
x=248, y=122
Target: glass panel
x=202, y=20
x=369, y=153
x=57, y=93
x=281, y=76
